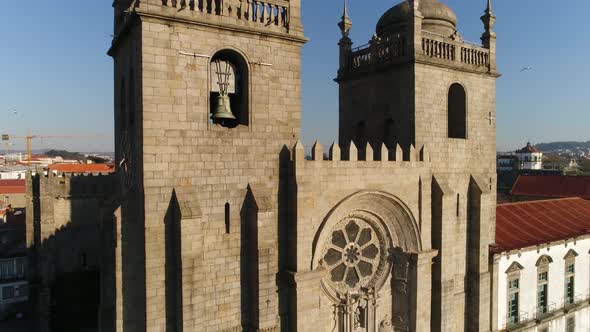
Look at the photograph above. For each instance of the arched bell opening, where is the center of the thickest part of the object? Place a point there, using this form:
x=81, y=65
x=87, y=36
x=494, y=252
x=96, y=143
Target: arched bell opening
x=366, y=249
x=229, y=89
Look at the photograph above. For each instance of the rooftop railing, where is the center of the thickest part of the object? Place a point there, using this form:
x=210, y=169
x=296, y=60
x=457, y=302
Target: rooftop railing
x=438, y=46
x=266, y=12
x=379, y=51
x=544, y=311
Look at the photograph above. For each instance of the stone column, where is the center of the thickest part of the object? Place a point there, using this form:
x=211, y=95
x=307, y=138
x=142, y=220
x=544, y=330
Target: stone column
x=416, y=40
x=421, y=283
x=307, y=286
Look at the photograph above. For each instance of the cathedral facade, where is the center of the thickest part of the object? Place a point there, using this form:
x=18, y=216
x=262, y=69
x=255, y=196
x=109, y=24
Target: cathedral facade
x=226, y=225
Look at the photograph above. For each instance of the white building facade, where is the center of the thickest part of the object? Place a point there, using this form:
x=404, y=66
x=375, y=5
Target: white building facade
x=544, y=288
x=530, y=157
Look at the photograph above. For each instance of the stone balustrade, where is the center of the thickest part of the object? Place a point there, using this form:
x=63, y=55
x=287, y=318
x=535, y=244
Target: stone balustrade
x=445, y=48
x=475, y=56
x=379, y=51
x=265, y=13
x=442, y=49
x=438, y=49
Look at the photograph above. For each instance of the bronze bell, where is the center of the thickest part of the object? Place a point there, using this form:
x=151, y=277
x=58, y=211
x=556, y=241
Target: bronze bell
x=223, y=109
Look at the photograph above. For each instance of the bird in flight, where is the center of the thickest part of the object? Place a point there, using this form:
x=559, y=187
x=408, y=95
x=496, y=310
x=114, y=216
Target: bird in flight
x=526, y=68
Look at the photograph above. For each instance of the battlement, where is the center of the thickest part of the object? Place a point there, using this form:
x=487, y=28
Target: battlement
x=278, y=16
x=72, y=185
x=368, y=154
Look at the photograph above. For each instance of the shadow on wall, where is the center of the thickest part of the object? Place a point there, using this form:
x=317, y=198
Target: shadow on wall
x=287, y=236
x=249, y=275
x=67, y=248
x=172, y=225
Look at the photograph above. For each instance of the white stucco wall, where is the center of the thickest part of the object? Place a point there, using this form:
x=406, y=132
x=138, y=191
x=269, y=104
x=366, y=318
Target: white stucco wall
x=528, y=280
x=535, y=160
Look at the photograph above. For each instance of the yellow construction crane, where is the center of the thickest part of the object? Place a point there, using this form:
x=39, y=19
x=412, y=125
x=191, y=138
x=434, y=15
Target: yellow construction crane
x=29, y=138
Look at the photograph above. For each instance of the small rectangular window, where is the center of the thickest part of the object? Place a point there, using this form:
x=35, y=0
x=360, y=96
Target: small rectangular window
x=570, y=268
x=20, y=268
x=513, y=308
x=7, y=293
x=512, y=284
x=542, y=298
x=543, y=276
x=571, y=324
x=570, y=290
x=21, y=290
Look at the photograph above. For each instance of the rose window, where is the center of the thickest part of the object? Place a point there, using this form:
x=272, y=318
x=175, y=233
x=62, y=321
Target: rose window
x=352, y=255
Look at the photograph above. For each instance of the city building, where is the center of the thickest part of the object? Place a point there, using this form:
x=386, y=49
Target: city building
x=530, y=158
x=507, y=162
x=13, y=263
x=13, y=192
x=531, y=187
x=541, y=280
x=95, y=169
x=68, y=237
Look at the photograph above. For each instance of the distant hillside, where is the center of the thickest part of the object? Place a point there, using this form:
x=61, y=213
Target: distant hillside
x=562, y=146
x=65, y=154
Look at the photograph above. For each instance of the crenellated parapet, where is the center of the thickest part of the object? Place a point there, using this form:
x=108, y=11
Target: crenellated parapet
x=273, y=16
x=68, y=185
x=380, y=155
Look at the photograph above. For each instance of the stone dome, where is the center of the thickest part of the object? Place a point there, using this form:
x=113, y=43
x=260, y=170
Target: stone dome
x=438, y=17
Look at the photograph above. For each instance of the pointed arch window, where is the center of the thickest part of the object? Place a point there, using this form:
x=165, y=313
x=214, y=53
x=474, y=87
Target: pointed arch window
x=457, y=112
x=229, y=89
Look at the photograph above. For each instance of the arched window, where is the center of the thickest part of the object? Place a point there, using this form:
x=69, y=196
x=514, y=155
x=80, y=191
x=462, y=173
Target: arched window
x=228, y=96
x=457, y=112
x=122, y=118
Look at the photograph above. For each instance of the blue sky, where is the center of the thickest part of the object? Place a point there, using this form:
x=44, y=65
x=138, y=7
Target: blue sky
x=55, y=72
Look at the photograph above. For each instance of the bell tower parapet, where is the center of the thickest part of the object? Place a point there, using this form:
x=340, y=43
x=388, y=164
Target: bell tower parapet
x=272, y=16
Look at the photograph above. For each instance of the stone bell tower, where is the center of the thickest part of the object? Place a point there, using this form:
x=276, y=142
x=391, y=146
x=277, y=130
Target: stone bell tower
x=418, y=82
x=207, y=93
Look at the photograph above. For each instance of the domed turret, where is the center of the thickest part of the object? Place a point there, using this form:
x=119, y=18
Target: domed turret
x=438, y=18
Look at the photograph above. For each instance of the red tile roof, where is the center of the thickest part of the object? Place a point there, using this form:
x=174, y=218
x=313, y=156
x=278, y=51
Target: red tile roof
x=12, y=186
x=520, y=225
x=82, y=168
x=528, y=149
x=552, y=186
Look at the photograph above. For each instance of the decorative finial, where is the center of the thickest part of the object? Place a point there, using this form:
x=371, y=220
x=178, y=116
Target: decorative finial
x=345, y=24
x=488, y=18
x=489, y=8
